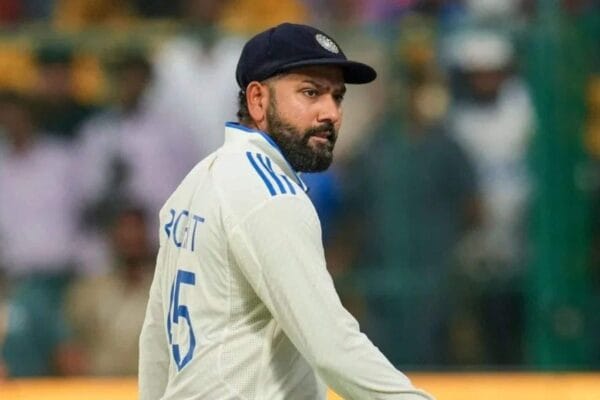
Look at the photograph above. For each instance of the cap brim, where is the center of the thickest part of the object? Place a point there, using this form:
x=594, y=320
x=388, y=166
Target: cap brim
x=354, y=72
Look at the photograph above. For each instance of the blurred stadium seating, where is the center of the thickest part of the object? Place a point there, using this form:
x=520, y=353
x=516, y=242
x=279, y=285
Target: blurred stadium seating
x=543, y=317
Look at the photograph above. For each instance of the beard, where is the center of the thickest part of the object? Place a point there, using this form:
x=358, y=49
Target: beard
x=294, y=144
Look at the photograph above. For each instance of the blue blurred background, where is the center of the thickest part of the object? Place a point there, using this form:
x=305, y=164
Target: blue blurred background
x=461, y=218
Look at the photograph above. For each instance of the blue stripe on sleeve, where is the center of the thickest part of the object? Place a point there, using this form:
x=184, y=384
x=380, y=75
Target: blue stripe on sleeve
x=285, y=178
x=269, y=169
x=289, y=184
x=261, y=173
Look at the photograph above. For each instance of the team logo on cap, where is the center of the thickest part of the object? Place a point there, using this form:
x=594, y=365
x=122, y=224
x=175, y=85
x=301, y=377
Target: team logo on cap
x=327, y=43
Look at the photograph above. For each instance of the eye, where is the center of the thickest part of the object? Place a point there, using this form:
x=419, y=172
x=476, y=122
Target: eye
x=310, y=92
x=338, y=98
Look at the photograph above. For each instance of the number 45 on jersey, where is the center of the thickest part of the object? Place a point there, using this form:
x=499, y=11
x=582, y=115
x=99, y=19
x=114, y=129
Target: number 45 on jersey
x=180, y=314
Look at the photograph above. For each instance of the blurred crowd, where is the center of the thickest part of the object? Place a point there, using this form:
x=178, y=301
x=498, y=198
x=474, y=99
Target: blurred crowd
x=429, y=212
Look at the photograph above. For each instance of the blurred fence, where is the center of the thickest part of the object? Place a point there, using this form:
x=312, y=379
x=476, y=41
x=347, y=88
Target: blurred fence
x=562, y=64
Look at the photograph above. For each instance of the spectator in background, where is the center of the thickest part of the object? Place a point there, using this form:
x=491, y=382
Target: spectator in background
x=37, y=231
x=57, y=110
x=130, y=152
x=106, y=312
x=493, y=119
x=194, y=73
x=412, y=195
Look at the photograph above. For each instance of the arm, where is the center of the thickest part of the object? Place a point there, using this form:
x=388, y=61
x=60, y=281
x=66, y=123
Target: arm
x=278, y=246
x=154, y=357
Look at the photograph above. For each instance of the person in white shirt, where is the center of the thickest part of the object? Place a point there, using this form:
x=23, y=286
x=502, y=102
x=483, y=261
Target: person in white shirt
x=242, y=305
x=129, y=153
x=193, y=72
x=37, y=213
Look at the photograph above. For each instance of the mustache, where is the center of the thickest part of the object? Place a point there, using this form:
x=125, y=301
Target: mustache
x=326, y=127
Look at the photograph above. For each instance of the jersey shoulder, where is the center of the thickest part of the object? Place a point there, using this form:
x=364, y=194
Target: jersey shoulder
x=247, y=178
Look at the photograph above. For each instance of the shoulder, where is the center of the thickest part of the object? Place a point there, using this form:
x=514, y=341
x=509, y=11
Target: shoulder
x=248, y=178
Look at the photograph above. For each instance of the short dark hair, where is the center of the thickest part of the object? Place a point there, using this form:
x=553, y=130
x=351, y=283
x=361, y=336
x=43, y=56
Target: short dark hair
x=243, y=113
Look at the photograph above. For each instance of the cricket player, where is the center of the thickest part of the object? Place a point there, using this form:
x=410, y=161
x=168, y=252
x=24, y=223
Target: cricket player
x=242, y=305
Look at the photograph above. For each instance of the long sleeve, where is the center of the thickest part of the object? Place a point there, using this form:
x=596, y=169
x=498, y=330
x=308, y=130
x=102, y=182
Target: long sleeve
x=154, y=357
x=278, y=247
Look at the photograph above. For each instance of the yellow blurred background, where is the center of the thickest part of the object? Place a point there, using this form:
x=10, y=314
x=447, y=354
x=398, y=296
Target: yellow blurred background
x=448, y=386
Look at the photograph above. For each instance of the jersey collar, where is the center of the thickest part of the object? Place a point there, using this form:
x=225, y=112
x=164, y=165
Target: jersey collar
x=234, y=130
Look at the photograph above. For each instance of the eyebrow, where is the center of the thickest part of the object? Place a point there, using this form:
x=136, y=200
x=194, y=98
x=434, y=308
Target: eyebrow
x=320, y=86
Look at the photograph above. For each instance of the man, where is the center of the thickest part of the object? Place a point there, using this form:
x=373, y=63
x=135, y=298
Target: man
x=494, y=120
x=37, y=230
x=193, y=73
x=424, y=201
x=129, y=153
x=106, y=332
x=242, y=306
x=56, y=107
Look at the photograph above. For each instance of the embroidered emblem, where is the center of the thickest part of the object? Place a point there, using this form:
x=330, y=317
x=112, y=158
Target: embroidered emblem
x=327, y=43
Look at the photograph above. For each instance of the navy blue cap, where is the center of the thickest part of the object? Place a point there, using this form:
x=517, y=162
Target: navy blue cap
x=289, y=46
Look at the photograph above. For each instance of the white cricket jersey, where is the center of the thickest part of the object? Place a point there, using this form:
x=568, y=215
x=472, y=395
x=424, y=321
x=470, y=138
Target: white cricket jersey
x=242, y=305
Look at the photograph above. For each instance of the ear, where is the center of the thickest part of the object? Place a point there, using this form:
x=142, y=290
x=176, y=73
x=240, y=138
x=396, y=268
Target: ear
x=257, y=97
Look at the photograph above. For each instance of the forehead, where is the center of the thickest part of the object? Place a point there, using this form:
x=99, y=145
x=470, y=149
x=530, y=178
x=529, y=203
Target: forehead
x=325, y=75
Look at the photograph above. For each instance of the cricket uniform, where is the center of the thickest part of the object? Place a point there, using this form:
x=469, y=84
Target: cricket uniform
x=242, y=305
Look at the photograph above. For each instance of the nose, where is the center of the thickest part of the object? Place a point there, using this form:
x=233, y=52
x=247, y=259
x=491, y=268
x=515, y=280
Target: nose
x=330, y=110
